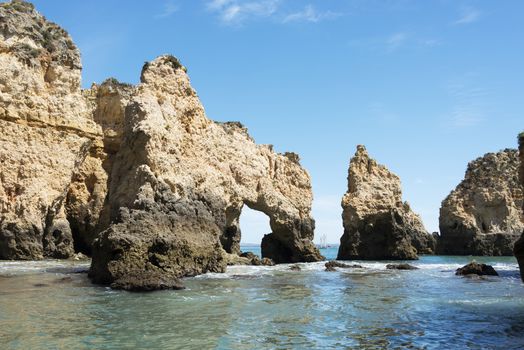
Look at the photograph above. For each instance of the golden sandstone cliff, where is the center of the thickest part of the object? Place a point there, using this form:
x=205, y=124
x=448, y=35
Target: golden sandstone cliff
x=377, y=223
x=137, y=176
x=483, y=215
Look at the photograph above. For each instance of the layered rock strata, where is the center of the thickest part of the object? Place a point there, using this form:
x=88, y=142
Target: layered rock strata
x=483, y=214
x=179, y=184
x=137, y=176
x=377, y=223
x=46, y=133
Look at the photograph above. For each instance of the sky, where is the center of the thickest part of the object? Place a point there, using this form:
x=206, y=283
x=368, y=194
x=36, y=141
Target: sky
x=426, y=86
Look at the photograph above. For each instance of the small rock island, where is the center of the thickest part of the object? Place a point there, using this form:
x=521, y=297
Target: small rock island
x=378, y=225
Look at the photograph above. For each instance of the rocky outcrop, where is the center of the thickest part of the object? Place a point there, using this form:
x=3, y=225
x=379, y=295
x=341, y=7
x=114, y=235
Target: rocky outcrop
x=137, y=176
x=518, y=249
x=483, y=215
x=401, y=267
x=179, y=184
x=377, y=224
x=474, y=268
x=46, y=132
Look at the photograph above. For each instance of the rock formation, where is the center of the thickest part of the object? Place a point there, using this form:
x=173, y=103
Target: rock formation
x=138, y=177
x=377, y=224
x=483, y=215
x=179, y=184
x=46, y=132
x=519, y=245
x=474, y=268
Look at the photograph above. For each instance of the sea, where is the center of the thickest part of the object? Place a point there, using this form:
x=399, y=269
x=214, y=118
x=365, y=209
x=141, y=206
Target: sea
x=51, y=304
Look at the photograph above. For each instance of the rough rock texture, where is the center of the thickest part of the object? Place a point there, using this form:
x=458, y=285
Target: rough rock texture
x=474, y=268
x=401, y=267
x=377, y=224
x=333, y=264
x=179, y=183
x=87, y=192
x=137, y=176
x=46, y=131
x=519, y=245
x=483, y=215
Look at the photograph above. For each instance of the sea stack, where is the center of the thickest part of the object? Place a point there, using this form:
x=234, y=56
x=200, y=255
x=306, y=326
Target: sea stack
x=519, y=245
x=137, y=176
x=483, y=214
x=378, y=225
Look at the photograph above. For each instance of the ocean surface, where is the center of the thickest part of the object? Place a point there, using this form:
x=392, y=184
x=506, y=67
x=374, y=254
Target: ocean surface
x=52, y=305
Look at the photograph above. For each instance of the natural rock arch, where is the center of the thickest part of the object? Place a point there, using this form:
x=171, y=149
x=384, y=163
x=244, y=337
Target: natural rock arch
x=179, y=182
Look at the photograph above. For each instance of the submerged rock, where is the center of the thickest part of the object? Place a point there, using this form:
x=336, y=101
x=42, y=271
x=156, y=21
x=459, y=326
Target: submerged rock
x=401, y=267
x=331, y=266
x=295, y=268
x=474, y=268
x=483, y=215
x=518, y=250
x=377, y=224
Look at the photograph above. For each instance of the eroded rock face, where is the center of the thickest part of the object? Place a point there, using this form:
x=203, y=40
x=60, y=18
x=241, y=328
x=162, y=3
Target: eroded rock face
x=377, y=224
x=180, y=181
x=141, y=169
x=519, y=245
x=483, y=215
x=46, y=132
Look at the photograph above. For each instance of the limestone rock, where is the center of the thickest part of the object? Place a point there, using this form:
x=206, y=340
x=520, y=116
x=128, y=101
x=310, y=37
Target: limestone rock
x=377, y=224
x=87, y=192
x=474, y=268
x=518, y=250
x=483, y=215
x=46, y=131
x=179, y=183
x=401, y=267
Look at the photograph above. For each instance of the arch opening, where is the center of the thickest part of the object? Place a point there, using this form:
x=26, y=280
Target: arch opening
x=253, y=225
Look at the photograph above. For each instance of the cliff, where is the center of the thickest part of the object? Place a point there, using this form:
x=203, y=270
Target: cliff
x=483, y=215
x=377, y=223
x=137, y=176
x=519, y=245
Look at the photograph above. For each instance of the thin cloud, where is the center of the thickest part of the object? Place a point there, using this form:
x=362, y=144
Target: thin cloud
x=469, y=103
x=469, y=15
x=237, y=11
x=396, y=40
x=169, y=8
x=310, y=14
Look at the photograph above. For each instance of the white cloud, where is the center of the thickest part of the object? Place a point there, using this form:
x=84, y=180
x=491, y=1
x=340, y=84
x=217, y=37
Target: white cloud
x=396, y=40
x=469, y=15
x=169, y=8
x=309, y=14
x=237, y=11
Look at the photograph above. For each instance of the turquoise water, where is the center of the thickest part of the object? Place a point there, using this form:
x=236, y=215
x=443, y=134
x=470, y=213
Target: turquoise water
x=47, y=305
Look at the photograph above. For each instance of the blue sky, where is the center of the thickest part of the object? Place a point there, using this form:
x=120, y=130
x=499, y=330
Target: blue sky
x=427, y=86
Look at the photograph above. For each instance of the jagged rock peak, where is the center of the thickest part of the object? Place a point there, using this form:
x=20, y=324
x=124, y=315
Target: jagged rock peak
x=377, y=224
x=482, y=215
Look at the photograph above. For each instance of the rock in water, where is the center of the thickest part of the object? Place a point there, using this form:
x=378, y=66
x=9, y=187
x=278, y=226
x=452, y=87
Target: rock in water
x=377, y=224
x=140, y=168
x=474, y=268
x=401, y=267
x=179, y=184
x=519, y=245
x=46, y=132
x=483, y=215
